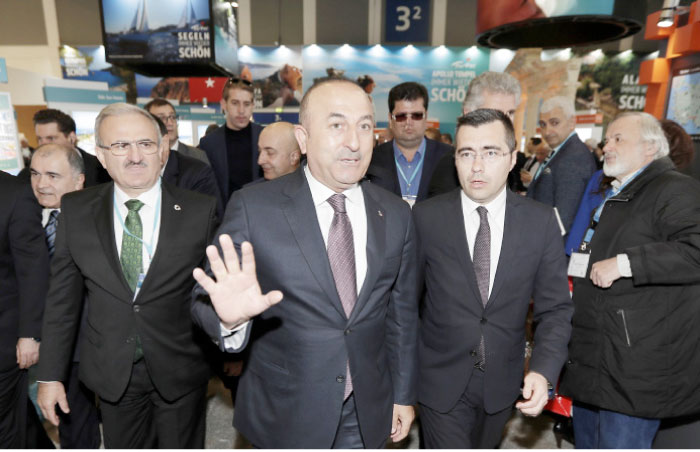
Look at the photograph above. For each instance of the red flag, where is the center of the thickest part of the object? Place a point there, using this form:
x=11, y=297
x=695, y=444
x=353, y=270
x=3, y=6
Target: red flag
x=209, y=87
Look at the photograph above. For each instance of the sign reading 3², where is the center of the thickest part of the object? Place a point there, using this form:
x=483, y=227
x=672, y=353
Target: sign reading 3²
x=407, y=21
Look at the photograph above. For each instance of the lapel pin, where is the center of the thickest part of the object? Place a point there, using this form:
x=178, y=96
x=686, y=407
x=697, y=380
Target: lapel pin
x=379, y=212
x=177, y=207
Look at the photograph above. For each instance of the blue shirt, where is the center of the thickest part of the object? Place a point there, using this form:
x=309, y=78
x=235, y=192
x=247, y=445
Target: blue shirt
x=409, y=173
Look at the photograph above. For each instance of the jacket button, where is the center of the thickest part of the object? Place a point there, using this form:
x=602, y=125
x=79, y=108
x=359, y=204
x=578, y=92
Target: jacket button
x=137, y=308
x=340, y=378
x=472, y=353
x=483, y=320
x=346, y=332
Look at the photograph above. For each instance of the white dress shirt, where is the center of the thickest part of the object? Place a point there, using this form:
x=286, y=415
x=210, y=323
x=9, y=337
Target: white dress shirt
x=355, y=208
x=45, y=214
x=496, y=217
x=150, y=221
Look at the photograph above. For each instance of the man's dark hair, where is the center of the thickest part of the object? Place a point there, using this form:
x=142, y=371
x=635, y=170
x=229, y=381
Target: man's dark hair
x=536, y=140
x=157, y=102
x=407, y=91
x=484, y=116
x=64, y=122
x=161, y=124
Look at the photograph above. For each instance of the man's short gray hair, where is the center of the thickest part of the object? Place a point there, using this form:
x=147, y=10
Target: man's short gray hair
x=650, y=131
x=494, y=82
x=122, y=109
x=565, y=103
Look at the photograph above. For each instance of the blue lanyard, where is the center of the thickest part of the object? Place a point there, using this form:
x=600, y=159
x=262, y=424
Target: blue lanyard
x=415, y=171
x=599, y=210
x=156, y=217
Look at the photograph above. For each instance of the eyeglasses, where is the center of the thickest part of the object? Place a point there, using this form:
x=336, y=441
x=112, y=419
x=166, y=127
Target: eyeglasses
x=234, y=80
x=167, y=118
x=121, y=148
x=487, y=156
x=401, y=117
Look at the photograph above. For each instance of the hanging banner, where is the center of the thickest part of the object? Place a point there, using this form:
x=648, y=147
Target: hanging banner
x=407, y=21
x=684, y=99
x=445, y=71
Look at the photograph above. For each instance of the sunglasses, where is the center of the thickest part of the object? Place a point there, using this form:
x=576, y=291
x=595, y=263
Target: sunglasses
x=235, y=80
x=401, y=117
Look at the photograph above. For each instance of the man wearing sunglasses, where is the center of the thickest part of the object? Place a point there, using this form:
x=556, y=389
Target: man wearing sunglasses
x=130, y=248
x=232, y=149
x=165, y=111
x=405, y=164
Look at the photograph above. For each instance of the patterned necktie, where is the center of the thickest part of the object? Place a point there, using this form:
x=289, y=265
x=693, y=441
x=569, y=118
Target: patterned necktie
x=341, y=255
x=131, y=256
x=482, y=265
x=50, y=230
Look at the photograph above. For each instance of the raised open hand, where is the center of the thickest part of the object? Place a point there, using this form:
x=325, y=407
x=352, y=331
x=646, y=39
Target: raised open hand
x=234, y=292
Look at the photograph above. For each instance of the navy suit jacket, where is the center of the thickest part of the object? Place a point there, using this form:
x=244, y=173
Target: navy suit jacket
x=291, y=392
x=531, y=265
x=562, y=183
x=382, y=170
x=214, y=145
x=193, y=174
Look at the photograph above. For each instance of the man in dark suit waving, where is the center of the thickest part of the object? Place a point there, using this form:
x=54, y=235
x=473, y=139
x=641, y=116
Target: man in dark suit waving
x=405, y=164
x=132, y=245
x=490, y=253
x=333, y=364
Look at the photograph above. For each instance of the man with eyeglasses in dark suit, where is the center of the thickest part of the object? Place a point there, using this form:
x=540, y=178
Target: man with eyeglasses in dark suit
x=130, y=246
x=232, y=149
x=405, y=164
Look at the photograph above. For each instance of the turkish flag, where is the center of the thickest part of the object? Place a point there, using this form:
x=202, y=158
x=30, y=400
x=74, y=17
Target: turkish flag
x=209, y=87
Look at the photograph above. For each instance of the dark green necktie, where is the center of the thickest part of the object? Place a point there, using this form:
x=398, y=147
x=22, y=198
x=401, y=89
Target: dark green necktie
x=132, y=254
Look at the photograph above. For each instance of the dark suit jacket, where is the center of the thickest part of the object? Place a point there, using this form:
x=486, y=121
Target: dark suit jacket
x=193, y=152
x=531, y=265
x=444, y=177
x=95, y=173
x=291, y=393
x=382, y=170
x=214, y=145
x=86, y=256
x=24, y=267
x=192, y=174
x=562, y=183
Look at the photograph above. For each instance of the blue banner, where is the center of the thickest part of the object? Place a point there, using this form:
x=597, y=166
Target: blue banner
x=407, y=21
x=445, y=71
x=3, y=71
x=82, y=96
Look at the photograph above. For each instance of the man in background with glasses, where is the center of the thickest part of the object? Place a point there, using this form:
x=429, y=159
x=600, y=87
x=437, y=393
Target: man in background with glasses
x=491, y=252
x=232, y=149
x=130, y=247
x=405, y=164
x=165, y=111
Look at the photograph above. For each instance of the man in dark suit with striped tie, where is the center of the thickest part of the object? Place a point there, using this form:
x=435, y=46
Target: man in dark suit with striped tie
x=55, y=170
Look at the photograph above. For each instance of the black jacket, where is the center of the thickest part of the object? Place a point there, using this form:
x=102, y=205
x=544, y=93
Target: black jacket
x=634, y=347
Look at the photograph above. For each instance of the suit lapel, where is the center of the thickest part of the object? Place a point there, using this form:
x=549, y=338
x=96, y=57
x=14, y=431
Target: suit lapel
x=454, y=223
x=303, y=221
x=512, y=238
x=376, y=244
x=426, y=171
x=104, y=223
x=172, y=168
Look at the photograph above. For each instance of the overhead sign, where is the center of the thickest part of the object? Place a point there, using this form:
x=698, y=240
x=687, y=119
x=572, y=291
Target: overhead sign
x=407, y=21
x=82, y=96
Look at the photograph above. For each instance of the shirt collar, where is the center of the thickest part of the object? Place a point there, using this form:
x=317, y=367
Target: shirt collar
x=320, y=193
x=399, y=155
x=495, y=206
x=148, y=198
x=563, y=142
x=174, y=145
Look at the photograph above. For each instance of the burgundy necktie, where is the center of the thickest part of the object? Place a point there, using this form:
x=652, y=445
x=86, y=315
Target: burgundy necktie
x=482, y=265
x=341, y=255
